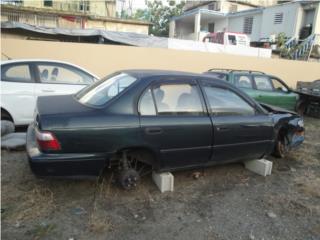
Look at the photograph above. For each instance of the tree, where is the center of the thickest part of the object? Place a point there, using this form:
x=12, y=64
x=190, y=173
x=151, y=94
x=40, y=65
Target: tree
x=159, y=15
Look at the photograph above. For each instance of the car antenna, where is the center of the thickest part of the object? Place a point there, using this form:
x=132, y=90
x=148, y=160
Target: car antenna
x=9, y=58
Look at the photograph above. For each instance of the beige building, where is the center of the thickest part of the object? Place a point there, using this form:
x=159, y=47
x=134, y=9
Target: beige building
x=105, y=8
x=71, y=14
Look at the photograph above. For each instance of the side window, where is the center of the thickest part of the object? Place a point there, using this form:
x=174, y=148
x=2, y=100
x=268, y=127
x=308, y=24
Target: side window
x=263, y=83
x=146, y=106
x=278, y=86
x=243, y=81
x=232, y=40
x=16, y=73
x=224, y=102
x=178, y=99
x=50, y=73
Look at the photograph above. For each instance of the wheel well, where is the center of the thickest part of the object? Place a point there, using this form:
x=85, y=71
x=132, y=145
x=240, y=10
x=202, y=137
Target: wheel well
x=144, y=154
x=6, y=115
x=283, y=131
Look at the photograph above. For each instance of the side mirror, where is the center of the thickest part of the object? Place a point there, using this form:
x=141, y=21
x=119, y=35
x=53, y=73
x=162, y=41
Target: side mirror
x=284, y=89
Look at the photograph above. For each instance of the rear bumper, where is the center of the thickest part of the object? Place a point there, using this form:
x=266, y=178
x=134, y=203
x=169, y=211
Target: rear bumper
x=62, y=164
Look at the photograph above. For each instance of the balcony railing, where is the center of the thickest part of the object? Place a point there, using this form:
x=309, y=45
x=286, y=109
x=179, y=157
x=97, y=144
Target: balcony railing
x=44, y=20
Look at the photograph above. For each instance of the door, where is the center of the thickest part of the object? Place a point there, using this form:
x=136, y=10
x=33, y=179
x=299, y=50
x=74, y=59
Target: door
x=18, y=92
x=285, y=98
x=174, y=122
x=240, y=130
x=264, y=90
x=245, y=83
x=59, y=79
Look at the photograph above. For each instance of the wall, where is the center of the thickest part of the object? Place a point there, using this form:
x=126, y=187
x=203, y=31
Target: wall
x=98, y=8
x=288, y=26
x=316, y=21
x=236, y=25
x=219, y=24
x=104, y=59
x=184, y=30
x=117, y=26
x=225, y=7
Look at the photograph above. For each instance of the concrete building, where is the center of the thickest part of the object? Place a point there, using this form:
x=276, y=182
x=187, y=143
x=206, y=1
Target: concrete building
x=106, y=8
x=296, y=19
x=71, y=14
x=190, y=4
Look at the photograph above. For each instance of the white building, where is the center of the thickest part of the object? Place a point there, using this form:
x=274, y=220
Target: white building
x=296, y=19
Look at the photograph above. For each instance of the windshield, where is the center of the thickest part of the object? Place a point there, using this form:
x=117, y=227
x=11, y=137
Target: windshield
x=102, y=91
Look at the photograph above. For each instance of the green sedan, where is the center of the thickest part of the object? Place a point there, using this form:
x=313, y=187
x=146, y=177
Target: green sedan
x=260, y=86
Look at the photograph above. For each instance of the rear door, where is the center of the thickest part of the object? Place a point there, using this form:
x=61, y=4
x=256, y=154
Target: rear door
x=175, y=122
x=264, y=90
x=245, y=83
x=240, y=130
x=59, y=79
x=18, y=91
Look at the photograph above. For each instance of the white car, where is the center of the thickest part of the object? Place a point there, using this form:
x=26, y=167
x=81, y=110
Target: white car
x=22, y=81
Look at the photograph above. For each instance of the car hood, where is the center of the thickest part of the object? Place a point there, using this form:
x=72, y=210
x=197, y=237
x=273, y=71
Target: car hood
x=53, y=111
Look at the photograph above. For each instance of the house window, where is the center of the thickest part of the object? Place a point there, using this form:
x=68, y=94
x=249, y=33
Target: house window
x=84, y=6
x=233, y=8
x=13, y=2
x=247, y=25
x=214, y=6
x=47, y=3
x=278, y=18
x=211, y=27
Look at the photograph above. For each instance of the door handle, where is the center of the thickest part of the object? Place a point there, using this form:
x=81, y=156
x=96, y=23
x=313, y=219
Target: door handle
x=47, y=90
x=248, y=125
x=154, y=130
x=222, y=129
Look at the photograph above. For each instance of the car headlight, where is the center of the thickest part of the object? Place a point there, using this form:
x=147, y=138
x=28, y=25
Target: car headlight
x=301, y=123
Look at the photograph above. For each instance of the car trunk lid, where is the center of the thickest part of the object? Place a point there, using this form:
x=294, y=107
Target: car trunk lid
x=57, y=111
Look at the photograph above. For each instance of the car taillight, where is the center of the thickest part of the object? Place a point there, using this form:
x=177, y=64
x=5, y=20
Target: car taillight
x=47, y=141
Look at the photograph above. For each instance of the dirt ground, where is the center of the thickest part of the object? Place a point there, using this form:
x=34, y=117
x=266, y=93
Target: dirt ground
x=227, y=202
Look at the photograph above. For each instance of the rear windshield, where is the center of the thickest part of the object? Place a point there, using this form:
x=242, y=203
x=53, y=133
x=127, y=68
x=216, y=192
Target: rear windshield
x=102, y=91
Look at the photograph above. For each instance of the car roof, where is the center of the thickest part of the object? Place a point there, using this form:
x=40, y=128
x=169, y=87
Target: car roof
x=30, y=60
x=142, y=73
x=147, y=73
x=226, y=71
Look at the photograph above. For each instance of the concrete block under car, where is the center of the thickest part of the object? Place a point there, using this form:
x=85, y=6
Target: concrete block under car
x=164, y=181
x=262, y=167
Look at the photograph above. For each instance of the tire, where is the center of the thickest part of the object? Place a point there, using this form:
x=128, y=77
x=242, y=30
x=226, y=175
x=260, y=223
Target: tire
x=128, y=178
x=282, y=147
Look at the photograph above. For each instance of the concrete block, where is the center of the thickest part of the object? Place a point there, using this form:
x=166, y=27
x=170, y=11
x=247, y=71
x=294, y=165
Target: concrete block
x=164, y=181
x=262, y=167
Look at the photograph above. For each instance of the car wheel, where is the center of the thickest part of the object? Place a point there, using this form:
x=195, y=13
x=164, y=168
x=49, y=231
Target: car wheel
x=128, y=178
x=282, y=147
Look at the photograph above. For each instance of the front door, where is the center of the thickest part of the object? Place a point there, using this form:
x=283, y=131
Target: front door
x=241, y=131
x=174, y=121
x=18, y=91
x=285, y=98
